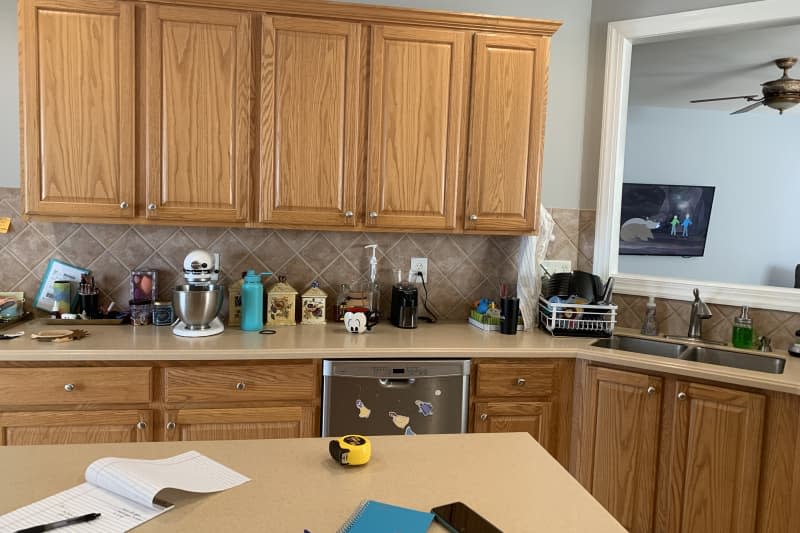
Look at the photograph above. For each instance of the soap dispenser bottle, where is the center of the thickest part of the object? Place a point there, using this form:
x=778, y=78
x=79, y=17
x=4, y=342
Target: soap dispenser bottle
x=650, y=326
x=743, y=329
x=253, y=301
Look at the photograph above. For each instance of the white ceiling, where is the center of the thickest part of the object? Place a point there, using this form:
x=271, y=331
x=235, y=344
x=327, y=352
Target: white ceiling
x=670, y=73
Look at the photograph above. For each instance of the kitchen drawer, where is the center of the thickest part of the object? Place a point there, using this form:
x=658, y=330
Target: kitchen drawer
x=75, y=385
x=533, y=378
x=243, y=383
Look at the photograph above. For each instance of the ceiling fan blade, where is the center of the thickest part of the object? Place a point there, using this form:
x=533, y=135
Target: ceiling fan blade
x=747, y=97
x=748, y=108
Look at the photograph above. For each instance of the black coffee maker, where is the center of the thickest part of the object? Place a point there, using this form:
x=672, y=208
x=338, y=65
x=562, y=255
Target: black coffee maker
x=404, y=303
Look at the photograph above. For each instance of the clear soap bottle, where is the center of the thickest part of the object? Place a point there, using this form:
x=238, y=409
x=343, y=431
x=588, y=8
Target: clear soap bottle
x=650, y=326
x=742, y=336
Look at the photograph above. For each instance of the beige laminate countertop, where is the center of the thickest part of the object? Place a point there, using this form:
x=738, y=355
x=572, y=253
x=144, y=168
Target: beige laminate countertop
x=506, y=477
x=446, y=339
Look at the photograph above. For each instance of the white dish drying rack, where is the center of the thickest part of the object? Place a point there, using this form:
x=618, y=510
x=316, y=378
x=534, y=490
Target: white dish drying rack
x=577, y=320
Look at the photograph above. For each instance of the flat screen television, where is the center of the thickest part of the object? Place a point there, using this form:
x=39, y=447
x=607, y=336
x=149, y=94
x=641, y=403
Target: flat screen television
x=661, y=219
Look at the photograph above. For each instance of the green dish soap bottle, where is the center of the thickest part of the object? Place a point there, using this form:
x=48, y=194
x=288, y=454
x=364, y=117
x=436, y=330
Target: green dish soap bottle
x=743, y=330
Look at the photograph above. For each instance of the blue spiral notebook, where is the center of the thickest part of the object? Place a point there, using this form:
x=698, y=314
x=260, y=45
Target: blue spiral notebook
x=377, y=517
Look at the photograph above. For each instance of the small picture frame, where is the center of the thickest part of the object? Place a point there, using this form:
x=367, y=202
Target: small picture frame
x=144, y=285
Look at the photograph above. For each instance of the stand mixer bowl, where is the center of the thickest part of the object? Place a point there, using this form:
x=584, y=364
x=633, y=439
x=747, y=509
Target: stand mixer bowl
x=197, y=305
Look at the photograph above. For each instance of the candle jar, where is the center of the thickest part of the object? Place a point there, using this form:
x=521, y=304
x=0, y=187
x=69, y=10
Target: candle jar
x=141, y=311
x=162, y=314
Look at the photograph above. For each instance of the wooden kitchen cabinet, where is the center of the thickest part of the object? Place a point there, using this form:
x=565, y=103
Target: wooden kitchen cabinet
x=278, y=399
x=77, y=84
x=417, y=86
x=310, y=102
x=714, y=460
x=75, y=427
x=198, y=68
x=506, y=133
x=667, y=455
x=532, y=395
x=618, y=443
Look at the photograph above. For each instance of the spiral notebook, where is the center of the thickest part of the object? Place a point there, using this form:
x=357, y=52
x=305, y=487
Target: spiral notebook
x=377, y=517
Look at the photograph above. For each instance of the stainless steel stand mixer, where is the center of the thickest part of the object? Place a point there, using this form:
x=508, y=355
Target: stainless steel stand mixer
x=197, y=303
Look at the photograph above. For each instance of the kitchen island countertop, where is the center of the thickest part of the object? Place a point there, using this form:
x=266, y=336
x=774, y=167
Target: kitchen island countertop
x=508, y=478
x=125, y=344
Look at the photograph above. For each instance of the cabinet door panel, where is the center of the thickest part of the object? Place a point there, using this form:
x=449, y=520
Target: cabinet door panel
x=618, y=449
x=77, y=70
x=75, y=427
x=715, y=460
x=240, y=423
x=199, y=77
x=309, y=128
x=415, y=124
x=504, y=417
x=506, y=132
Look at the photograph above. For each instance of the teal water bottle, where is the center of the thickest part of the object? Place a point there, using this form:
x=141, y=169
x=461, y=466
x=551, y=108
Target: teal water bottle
x=253, y=301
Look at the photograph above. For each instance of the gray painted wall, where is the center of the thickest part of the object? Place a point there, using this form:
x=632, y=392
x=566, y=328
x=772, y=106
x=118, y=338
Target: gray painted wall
x=574, y=101
x=752, y=160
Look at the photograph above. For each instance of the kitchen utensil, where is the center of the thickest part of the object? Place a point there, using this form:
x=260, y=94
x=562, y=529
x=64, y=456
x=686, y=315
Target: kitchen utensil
x=608, y=291
x=50, y=334
x=582, y=284
x=599, y=287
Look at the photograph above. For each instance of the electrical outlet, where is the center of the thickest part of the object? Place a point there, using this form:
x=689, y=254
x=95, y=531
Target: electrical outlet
x=420, y=264
x=554, y=267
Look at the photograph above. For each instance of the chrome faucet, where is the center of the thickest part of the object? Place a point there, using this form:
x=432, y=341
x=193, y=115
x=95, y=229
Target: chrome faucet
x=700, y=311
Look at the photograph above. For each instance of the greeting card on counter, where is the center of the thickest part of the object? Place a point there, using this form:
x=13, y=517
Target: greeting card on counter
x=124, y=492
x=56, y=271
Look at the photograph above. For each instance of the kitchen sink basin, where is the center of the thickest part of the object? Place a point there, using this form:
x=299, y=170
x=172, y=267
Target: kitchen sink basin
x=646, y=346
x=745, y=361
x=700, y=354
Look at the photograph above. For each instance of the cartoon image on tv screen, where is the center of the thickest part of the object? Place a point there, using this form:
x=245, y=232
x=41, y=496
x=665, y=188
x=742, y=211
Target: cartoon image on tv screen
x=664, y=219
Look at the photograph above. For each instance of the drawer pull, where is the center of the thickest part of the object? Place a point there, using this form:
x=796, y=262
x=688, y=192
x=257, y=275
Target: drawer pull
x=141, y=425
x=123, y=205
x=484, y=416
x=473, y=217
x=348, y=214
x=521, y=382
x=69, y=387
x=241, y=386
x=651, y=390
x=170, y=425
x=682, y=396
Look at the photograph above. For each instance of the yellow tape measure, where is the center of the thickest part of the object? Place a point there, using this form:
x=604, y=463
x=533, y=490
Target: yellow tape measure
x=351, y=450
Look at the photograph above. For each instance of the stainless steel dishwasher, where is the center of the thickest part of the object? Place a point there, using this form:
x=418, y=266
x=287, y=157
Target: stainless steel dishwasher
x=394, y=397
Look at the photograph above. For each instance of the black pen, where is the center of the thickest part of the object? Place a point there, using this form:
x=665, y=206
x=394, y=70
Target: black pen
x=61, y=523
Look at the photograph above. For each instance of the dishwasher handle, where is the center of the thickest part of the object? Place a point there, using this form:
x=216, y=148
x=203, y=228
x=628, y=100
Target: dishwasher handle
x=396, y=383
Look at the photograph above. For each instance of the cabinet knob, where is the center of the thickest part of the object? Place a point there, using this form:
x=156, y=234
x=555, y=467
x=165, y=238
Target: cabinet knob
x=521, y=382
x=682, y=396
x=123, y=205
x=348, y=214
x=170, y=425
x=373, y=214
x=651, y=390
x=69, y=387
x=484, y=416
x=241, y=386
x=473, y=217
x=141, y=425
x=151, y=207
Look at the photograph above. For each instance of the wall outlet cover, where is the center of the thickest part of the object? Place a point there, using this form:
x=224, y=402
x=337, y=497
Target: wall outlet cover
x=554, y=267
x=420, y=264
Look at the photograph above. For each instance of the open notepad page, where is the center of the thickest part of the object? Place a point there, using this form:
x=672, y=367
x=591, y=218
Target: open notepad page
x=124, y=491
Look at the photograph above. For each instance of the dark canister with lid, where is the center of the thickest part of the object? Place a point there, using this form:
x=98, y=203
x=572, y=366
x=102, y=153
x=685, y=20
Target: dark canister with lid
x=163, y=314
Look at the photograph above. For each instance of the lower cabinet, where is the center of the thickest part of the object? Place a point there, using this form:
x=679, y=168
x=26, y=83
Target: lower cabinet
x=531, y=395
x=663, y=454
x=75, y=427
x=239, y=423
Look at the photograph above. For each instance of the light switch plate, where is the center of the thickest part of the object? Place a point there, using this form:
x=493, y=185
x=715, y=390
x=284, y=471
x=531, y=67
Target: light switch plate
x=554, y=267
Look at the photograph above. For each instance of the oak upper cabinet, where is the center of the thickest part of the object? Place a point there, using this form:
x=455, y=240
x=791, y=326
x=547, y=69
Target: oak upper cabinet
x=617, y=455
x=310, y=98
x=77, y=98
x=506, y=133
x=714, y=460
x=417, y=80
x=199, y=73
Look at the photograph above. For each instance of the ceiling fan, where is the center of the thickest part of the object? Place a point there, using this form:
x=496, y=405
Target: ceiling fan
x=780, y=94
